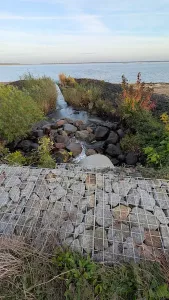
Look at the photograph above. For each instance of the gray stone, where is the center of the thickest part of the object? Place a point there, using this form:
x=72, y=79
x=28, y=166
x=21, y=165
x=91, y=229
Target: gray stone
x=96, y=161
x=76, y=246
x=14, y=194
x=145, y=185
x=165, y=235
x=66, y=230
x=112, y=138
x=107, y=186
x=101, y=133
x=12, y=181
x=86, y=241
x=130, y=251
x=138, y=235
x=104, y=217
x=75, y=148
x=6, y=228
x=133, y=198
x=102, y=197
x=114, y=199
x=131, y=158
x=82, y=135
x=79, y=230
x=89, y=219
x=141, y=217
x=27, y=191
x=67, y=242
x=123, y=187
x=78, y=188
x=100, y=239
x=75, y=216
x=70, y=128
x=113, y=150
x=73, y=198
x=4, y=197
x=147, y=201
x=161, y=197
x=99, y=181
x=57, y=193
x=158, y=212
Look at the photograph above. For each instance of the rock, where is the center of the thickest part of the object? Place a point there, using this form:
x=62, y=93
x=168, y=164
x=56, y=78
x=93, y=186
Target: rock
x=86, y=241
x=131, y=158
x=41, y=190
x=114, y=161
x=66, y=230
x=98, y=146
x=12, y=181
x=90, y=152
x=146, y=219
x=123, y=187
x=6, y=228
x=76, y=246
x=4, y=197
x=73, y=214
x=89, y=129
x=114, y=199
x=75, y=148
x=113, y=150
x=147, y=201
x=102, y=196
x=74, y=199
x=67, y=242
x=79, y=230
x=120, y=133
x=121, y=157
x=60, y=123
x=82, y=135
x=96, y=161
x=112, y=138
x=38, y=133
x=100, y=239
x=161, y=197
x=59, y=146
x=153, y=239
x=57, y=193
x=158, y=212
x=27, y=145
x=46, y=128
x=78, y=188
x=116, y=234
x=78, y=123
x=101, y=133
x=133, y=198
x=165, y=235
x=89, y=219
x=27, y=191
x=137, y=233
x=130, y=251
x=100, y=181
x=70, y=128
x=104, y=217
x=91, y=201
x=121, y=212
x=62, y=139
x=14, y=194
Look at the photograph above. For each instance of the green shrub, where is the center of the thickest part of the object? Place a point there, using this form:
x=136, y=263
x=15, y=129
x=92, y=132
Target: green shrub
x=15, y=158
x=44, y=149
x=87, y=97
x=42, y=90
x=131, y=142
x=18, y=112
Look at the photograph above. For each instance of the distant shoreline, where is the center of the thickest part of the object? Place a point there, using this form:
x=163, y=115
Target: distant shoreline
x=83, y=63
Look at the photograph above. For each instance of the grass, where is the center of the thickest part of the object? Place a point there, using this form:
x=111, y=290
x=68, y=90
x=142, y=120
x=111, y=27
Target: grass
x=42, y=90
x=26, y=274
x=86, y=97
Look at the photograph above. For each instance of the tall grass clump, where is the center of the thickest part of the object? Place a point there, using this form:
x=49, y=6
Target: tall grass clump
x=42, y=90
x=18, y=113
x=66, y=80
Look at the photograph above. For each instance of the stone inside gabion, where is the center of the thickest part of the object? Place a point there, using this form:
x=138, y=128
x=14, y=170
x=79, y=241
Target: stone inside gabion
x=110, y=217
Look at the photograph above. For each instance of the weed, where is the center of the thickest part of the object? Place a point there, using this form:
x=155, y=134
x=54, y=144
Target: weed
x=131, y=142
x=44, y=150
x=15, y=158
x=18, y=112
x=42, y=90
x=66, y=81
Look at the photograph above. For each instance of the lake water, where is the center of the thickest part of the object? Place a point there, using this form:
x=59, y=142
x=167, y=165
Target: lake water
x=112, y=72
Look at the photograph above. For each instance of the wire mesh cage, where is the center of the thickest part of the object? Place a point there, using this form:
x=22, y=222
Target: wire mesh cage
x=110, y=217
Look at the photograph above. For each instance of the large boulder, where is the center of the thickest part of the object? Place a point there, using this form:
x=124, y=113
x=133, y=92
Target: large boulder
x=113, y=150
x=101, y=133
x=69, y=128
x=96, y=161
x=112, y=138
x=131, y=158
x=75, y=148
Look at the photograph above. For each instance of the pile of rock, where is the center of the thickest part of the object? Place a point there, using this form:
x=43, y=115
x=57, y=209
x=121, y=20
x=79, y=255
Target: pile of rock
x=100, y=214
x=68, y=135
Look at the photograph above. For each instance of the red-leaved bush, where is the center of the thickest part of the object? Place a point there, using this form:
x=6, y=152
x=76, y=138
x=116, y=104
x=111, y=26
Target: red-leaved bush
x=137, y=96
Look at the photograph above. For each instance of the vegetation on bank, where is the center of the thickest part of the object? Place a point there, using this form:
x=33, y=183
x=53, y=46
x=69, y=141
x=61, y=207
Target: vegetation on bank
x=147, y=134
x=28, y=274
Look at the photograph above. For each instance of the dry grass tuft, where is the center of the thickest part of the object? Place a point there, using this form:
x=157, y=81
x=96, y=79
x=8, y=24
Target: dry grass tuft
x=66, y=81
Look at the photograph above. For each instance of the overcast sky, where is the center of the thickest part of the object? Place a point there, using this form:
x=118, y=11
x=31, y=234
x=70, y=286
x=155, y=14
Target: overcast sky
x=36, y=31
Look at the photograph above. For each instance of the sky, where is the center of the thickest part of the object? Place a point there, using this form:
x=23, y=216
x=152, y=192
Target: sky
x=56, y=31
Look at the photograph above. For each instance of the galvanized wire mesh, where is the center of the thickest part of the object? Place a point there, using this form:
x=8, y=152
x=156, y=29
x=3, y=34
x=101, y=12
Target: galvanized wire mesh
x=108, y=216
